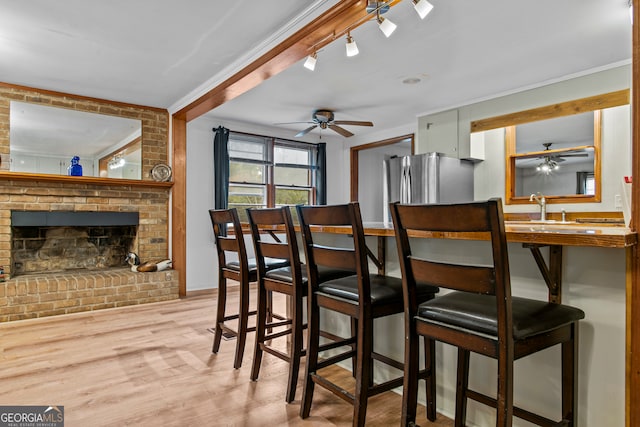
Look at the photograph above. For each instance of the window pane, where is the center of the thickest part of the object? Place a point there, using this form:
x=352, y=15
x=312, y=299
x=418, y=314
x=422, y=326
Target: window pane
x=244, y=195
x=287, y=196
x=293, y=156
x=292, y=176
x=246, y=172
x=247, y=147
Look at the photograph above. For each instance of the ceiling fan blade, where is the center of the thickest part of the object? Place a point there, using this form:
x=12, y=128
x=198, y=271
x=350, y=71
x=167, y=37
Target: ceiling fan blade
x=352, y=122
x=574, y=155
x=341, y=131
x=291, y=123
x=306, y=131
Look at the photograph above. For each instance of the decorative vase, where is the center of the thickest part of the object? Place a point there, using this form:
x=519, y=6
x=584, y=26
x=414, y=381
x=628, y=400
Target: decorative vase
x=75, y=168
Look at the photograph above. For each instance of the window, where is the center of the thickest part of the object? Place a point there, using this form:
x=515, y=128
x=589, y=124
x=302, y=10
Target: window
x=270, y=172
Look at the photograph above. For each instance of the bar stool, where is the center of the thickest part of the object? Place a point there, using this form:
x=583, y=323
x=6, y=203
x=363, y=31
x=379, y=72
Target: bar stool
x=363, y=297
x=479, y=315
x=290, y=281
x=241, y=270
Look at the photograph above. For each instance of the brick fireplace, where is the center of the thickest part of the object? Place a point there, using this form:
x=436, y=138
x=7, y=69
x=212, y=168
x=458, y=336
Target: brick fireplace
x=58, y=288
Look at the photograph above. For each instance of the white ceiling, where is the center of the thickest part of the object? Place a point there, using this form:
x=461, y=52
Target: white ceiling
x=164, y=53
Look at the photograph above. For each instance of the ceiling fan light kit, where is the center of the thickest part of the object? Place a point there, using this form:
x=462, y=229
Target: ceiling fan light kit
x=324, y=119
x=375, y=8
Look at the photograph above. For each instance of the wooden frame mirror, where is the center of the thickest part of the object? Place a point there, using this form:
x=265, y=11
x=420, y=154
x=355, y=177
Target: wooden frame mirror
x=576, y=152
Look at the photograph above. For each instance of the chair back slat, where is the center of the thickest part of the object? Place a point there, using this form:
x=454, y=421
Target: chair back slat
x=445, y=218
x=453, y=276
x=229, y=244
x=341, y=258
x=274, y=249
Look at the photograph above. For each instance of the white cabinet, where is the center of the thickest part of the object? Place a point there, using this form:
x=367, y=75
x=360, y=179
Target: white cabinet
x=439, y=133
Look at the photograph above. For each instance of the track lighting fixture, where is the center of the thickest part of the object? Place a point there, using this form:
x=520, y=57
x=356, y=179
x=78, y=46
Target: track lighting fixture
x=423, y=7
x=386, y=26
x=374, y=11
x=352, y=47
x=310, y=63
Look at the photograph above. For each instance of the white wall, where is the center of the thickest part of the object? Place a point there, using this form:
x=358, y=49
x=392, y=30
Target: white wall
x=202, y=261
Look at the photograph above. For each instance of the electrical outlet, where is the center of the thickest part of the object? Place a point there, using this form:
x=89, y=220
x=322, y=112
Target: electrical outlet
x=617, y=201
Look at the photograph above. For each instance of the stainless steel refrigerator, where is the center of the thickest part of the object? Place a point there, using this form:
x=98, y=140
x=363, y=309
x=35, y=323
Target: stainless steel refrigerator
x=426, y=178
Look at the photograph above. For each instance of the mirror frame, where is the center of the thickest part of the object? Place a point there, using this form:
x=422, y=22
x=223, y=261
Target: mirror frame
x=583, y=105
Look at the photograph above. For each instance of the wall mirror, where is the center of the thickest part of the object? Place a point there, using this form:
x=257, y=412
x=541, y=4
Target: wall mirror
x=554, y=150
x=43, y=139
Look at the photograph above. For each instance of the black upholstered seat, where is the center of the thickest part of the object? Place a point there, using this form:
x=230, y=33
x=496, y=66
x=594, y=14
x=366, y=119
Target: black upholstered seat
x=478, y=313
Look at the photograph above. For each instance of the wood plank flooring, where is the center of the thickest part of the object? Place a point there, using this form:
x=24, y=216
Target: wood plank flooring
x=151, y=365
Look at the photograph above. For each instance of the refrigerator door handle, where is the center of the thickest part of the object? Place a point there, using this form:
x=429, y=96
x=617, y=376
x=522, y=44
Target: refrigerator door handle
x=405, y=183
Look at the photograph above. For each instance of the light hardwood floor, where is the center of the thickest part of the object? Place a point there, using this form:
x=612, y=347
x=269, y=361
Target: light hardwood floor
x=151, y=365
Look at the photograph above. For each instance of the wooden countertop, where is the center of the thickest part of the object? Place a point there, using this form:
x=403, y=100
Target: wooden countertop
x=563, y=234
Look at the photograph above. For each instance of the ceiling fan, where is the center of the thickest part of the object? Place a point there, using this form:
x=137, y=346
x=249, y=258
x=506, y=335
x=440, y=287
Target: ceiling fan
x=559, y=155
x=325, y=119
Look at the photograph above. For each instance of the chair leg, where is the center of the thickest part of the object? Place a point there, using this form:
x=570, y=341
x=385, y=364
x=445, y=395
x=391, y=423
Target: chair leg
x=504, y=408
x=430, y=382
x=261, y=319
x=296, y=347
x=570, y=378
x=410, y=383
x=462, y=384
x=222, y=301
x=243, y=322
x=363, y=370
x=313, y=341
x=354, y=332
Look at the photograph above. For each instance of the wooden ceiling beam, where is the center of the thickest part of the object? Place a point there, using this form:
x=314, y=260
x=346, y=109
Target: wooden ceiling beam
x=346, y=14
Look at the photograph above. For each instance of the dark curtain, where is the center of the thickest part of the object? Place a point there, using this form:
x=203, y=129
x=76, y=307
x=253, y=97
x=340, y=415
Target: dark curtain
x=581, y=180
x=321, y=176
x=221, y=167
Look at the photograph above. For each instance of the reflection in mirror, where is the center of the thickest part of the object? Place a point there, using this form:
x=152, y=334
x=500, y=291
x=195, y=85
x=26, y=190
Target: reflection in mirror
x=44, y=139
x=556, y=174
x=556, y=156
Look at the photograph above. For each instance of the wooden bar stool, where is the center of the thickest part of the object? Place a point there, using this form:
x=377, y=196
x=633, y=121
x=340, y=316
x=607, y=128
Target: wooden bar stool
x=242, y=270
x=290, y=280
x=479, y=315
x=363, y=297
x=286, y=280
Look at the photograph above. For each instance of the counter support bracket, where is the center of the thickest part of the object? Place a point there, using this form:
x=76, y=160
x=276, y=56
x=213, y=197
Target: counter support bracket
x=379, y=260
x=552, y=274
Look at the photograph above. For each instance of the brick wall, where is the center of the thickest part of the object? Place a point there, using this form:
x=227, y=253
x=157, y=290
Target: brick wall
x=31, y=296
x=152, y=203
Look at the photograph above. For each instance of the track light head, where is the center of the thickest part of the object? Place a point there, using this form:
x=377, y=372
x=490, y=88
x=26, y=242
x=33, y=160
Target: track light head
x=386, y=26
x=352, y=47
x=422, y=7
x=310, y=63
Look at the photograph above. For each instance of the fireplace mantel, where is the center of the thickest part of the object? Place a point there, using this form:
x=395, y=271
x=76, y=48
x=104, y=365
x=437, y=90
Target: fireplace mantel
x=64, y=179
